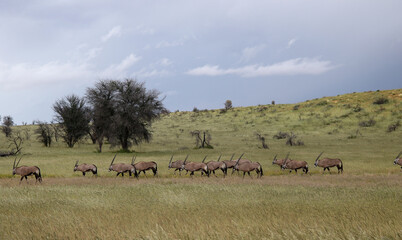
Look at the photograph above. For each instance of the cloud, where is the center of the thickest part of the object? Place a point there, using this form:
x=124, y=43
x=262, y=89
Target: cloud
x=297, y=66
x=150, y=73
x=26, y=75
x=291, y=42
x=249, y=53
x=120, y=70
x=114, y=32
x=165, y=62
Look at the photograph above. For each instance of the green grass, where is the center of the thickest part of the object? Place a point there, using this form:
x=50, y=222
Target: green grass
x=363, y=203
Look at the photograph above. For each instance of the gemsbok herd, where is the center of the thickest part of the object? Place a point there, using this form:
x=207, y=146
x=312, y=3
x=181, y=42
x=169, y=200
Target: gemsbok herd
x=239, y=165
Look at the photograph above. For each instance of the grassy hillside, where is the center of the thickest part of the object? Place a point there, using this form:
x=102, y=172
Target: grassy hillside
x=362, y=203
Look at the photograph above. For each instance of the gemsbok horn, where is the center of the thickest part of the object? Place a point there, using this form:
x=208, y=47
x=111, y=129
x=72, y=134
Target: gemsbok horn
x=328, y=163
x=25, y=171
x=84, y=168
x=121, y=168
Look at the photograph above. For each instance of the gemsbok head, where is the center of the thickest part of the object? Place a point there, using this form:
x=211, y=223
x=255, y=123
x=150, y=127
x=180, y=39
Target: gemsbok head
x=25, y=171
x=328, y=163
x=84, y=168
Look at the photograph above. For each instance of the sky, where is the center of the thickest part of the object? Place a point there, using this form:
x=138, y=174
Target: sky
x=196, y=53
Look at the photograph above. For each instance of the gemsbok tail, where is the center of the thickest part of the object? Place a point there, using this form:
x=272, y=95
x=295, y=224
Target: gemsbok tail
x=261, y=172
x=39, y=177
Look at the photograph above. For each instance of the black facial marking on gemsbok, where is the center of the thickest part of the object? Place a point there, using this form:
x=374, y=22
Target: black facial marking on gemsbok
x=328, y=163
x=84, y=168
x=25, y=171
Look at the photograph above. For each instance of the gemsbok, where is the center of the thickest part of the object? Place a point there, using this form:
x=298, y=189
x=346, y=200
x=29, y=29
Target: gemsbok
x=195, y=166
x=247, y=167
x=176, y=165
x=86, y=168
x=279, y=162
x=216, y=165
x=328, y=163
x=25, y=171
x=398, y=160
x=231, y=163
x=144, y=166
x=295, y=165
x=121, y=168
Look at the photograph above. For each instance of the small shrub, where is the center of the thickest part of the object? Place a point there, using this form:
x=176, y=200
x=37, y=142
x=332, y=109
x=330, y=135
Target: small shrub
x=273, y=102
x=394, y=126
x=368, y=123
x=322, y=103
x=195, y=110
x=381, y=100
x=281, y=135
x=357, y=108
x=296, y=107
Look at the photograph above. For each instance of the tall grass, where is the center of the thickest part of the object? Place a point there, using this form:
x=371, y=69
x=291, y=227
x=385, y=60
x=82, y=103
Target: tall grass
x=204, y=209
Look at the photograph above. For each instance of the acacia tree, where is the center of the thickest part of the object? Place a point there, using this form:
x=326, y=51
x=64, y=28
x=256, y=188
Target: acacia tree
x=123, y=111
x=45, y=133
x=73, y=118
x=103, y=101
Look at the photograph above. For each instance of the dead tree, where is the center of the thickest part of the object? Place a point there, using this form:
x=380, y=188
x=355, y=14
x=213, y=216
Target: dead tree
x=262, y=139
x=204, y=141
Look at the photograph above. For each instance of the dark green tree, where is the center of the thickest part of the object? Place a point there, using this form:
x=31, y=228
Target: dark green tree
x=73, y=118
x=124, y=111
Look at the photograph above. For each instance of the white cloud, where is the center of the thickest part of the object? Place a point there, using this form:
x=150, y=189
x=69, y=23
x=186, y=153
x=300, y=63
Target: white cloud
x=291, y=42
x=149, y=73
x=249, y=53
x=165, y=62
x=297, y=66
x=120, y=70
x=114, y=32
x=25, y=75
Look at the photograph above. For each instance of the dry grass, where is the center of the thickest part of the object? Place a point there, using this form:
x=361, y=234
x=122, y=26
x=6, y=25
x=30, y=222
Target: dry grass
x=292, y=207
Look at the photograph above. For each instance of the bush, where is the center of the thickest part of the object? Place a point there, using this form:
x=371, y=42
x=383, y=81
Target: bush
x=322, y=103
x=381, y=100
x=296, y=107
x=368, y=123
x=393, y=126
x=281, y=135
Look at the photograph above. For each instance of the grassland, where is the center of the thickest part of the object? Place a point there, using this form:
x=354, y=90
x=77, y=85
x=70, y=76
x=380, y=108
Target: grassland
x=363, y=203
